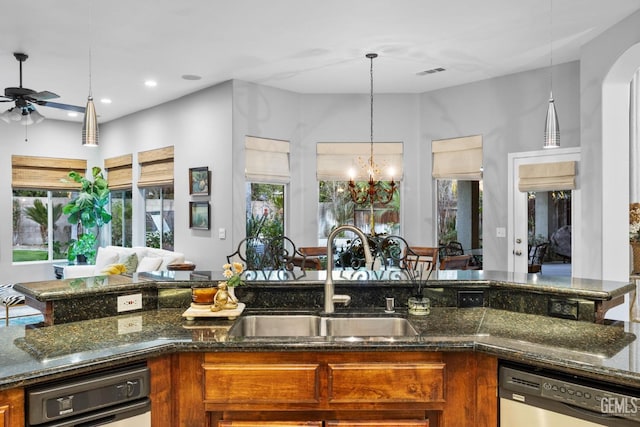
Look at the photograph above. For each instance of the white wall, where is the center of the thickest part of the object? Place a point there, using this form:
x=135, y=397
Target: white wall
x=199, y=128
x=509, y=112
x=604, y=102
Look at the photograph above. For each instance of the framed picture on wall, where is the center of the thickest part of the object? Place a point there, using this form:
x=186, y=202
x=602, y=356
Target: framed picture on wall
x=199, y=215
x=199, y=181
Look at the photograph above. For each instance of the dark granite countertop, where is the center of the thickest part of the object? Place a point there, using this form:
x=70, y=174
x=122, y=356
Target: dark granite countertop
x=608, y=352
x=562, y=286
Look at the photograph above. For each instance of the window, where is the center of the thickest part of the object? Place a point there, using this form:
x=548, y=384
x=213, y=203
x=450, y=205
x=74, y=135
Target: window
x=265, y=210
x=334, y=161
x=121, y=213
x=40, y=231
x=40, y=189
x=159, y=213
x=156, y=182
x=460, y=212
x=119, y=174
x=336, y=208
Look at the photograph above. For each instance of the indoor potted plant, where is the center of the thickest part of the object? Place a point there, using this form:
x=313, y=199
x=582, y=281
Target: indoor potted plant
x=88, y=211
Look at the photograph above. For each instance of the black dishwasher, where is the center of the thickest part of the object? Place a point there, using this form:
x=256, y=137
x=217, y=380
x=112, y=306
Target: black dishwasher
x=118, y=397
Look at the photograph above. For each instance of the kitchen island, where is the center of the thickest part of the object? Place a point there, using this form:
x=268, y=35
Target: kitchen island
x=466, y=343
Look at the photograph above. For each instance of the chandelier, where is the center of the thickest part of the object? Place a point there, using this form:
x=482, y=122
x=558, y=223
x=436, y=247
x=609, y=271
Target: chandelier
x=373, y=191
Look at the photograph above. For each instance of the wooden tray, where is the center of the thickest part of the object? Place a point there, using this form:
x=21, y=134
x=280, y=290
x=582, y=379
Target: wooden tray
x=204, y=311
x=181, y=267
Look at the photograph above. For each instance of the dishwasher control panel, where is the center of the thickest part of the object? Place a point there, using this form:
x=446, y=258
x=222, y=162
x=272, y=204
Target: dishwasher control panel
x=83, y=394
x=584, y=394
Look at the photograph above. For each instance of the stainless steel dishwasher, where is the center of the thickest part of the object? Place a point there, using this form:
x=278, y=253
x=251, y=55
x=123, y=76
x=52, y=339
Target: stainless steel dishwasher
x=119, y=398
x=536, y=398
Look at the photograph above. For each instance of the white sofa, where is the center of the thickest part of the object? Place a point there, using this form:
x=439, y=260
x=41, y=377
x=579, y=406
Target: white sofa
x=137, y=260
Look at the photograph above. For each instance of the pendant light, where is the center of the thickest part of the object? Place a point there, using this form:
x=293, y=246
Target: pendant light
x=551, y=127
x=90, y=122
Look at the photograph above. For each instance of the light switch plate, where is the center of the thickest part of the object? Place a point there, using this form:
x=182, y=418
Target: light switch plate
x=501, y=232
x=129, y=302
x=222, y=233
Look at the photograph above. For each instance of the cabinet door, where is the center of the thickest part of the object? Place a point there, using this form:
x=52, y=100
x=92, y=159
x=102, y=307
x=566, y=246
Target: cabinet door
x=378, y=423
x=270, y=424
x=12, y=408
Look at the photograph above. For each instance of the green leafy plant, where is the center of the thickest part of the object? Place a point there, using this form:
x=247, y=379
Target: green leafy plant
x=84, y=246
x=88, y=211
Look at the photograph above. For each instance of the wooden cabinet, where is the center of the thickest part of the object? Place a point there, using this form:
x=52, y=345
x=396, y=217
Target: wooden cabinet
x=12, y=408
x=343, y=389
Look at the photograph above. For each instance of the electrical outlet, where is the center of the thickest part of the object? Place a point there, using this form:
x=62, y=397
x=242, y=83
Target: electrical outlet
x=130, y=325
x=129, y=302
x=470, y=299
x=563, y=308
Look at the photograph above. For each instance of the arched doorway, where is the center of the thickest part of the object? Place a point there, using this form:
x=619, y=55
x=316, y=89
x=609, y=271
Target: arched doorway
x=615, y=173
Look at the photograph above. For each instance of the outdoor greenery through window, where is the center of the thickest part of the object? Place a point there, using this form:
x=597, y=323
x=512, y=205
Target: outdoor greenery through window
x=336, y=208
x=159, y=217
x=121, y=213
x=40, y=231
x=265, y=210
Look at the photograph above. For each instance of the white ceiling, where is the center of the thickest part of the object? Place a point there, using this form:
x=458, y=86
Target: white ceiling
x=306, y=46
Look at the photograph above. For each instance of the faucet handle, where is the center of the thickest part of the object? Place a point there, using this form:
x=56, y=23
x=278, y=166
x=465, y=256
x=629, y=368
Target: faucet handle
x=342, y=299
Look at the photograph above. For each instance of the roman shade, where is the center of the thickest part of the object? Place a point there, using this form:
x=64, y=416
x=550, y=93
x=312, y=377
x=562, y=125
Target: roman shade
x=45, y=173
x=156, y=167
x=266, y=160
x=458, y=158
x=547, y=176
x=341, y=161
x=119, y=172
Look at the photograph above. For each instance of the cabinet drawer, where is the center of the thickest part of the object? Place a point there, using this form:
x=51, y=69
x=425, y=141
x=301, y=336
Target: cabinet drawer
x=270, y=424
x=261, y=383
x=379, y=423
x=386, y=382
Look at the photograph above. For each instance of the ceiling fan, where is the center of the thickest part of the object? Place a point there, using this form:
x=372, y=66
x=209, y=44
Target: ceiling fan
x=24, y=98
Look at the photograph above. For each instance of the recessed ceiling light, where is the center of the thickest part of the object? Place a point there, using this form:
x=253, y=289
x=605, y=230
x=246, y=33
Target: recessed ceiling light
x=72, y=114
x=191, y=77
x=431, y=71
x=105, y=100
x=151, y=83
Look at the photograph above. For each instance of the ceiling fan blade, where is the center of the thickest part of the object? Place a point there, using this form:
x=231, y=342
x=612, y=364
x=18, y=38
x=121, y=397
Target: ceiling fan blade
x=43, y=96
x=61, y=106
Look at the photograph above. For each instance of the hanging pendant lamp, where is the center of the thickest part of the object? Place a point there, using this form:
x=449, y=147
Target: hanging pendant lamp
x=90, y=122
x=551, y=127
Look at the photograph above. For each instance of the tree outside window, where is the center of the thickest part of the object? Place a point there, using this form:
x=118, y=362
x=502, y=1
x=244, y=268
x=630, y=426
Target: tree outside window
x=40, y=231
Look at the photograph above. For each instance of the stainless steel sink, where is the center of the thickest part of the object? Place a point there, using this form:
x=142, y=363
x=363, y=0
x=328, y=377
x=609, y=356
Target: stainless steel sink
x=276, y=326
x=314, y=326
x=368, y=327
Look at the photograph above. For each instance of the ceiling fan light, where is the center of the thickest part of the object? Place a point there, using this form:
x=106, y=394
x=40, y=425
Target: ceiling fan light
x=14, y=114
x=5, y=116
x=36, y=116
x=90, y=125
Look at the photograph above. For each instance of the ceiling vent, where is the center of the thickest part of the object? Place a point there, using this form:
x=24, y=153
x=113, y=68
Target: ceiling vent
x=431, y=71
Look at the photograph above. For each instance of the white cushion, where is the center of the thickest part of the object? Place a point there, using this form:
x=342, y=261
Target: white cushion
x=105, y=257
x=149, y=263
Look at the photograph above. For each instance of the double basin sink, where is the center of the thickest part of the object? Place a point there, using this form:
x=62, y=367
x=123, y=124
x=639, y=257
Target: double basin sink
x=303, y=325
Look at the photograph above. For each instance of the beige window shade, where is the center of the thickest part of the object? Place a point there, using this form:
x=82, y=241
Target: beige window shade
x=45, y=173
x=156, y=167
x=458, y=158
x=341, y=161
x=266, y=160
x=547, y=176
x=119, y=171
